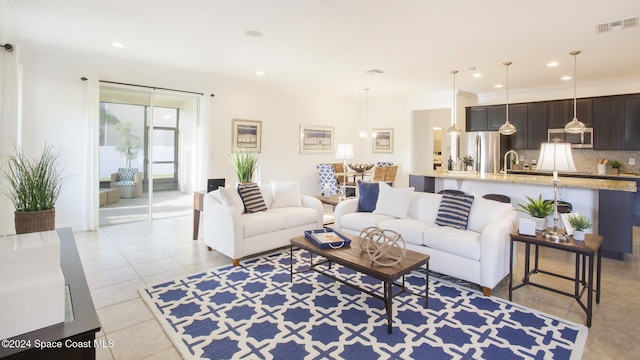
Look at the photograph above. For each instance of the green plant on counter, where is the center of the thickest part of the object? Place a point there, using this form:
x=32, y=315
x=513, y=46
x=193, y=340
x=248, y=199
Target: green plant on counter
x=615, y=164
x=537, y=208
x=580, y=222
x=467, y=160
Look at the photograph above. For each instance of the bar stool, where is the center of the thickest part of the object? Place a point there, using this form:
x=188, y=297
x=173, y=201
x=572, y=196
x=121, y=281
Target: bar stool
x=498, y=197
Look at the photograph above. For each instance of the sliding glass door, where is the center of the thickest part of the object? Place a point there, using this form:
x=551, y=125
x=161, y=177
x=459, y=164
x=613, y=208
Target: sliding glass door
x=146, y=139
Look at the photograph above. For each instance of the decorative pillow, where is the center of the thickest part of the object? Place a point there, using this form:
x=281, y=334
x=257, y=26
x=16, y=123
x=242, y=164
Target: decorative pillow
x=285, y=194
x=230, y=197
x=393, y=202
x=251, y=197
x=368, y=196
x=127, y=174
x=454, y=210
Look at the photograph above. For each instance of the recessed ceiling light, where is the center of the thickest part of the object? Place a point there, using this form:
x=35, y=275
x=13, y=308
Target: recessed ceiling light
x=498, y=86
x=437, y=128
x=566, y=77
x=477, y=75
x=260, y=73
x=553, y=64
x=253, y=33
x=117, y=45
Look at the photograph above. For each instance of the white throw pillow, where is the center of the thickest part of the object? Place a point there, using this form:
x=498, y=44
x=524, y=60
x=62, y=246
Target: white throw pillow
x=230, y=197
x=393, y=202
x=285, y=194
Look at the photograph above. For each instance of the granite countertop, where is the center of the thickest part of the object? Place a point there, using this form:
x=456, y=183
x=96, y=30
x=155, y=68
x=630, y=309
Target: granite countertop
x=543, y=179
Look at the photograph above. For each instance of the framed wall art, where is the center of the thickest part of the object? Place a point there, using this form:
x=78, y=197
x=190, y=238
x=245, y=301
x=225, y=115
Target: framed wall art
x=383, y=141
x=247, y=135
x=316, y=139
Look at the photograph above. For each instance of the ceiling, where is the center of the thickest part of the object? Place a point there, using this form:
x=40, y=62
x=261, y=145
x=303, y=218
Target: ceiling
x=329, y=45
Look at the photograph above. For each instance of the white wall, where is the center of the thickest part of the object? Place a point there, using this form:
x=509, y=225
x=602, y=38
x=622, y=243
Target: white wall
x=55, y=112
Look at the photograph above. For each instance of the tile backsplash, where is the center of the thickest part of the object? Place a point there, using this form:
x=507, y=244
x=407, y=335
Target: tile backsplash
x=587, y=159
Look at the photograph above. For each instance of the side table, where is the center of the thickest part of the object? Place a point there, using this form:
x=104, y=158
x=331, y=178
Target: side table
x=586, y=251
x=198, y=206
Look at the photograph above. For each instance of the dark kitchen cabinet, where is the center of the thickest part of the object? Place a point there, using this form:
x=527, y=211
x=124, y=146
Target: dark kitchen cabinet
x=606, y=126
x=477, y=118
x=559, y=114
x=536, y=124
x=518, y=117
x=497, y=117
x=629, y=116
x=584, y=110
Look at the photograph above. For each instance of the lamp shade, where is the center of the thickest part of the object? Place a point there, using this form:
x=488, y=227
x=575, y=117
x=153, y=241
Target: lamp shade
x=556, y=157
x=345, y=152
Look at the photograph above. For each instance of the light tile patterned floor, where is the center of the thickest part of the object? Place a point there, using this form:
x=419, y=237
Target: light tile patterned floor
x=119, y=259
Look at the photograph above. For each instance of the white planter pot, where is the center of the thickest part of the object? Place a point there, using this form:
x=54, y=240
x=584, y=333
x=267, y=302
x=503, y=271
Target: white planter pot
x=541, y=224
x=578, y=235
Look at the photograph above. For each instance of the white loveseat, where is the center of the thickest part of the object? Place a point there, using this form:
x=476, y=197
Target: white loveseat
x=479, y=254
x=236, y=234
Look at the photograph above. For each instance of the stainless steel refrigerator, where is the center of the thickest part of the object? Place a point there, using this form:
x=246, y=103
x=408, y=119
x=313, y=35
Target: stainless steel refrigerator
x=486, y=148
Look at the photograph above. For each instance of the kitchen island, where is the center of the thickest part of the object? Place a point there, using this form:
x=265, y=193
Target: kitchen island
x=609, y=202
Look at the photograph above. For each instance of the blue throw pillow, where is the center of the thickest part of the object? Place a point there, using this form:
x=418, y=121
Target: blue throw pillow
x=368, y=195
x=454, y=210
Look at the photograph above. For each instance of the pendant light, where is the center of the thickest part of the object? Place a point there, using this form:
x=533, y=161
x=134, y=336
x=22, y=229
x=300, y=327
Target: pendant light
x=454, y=129
x=507, y=128
x=575, y=126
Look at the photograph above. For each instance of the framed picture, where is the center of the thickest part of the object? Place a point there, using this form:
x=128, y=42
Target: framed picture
x=383, y=141
x=247, y=135
x=316, y=139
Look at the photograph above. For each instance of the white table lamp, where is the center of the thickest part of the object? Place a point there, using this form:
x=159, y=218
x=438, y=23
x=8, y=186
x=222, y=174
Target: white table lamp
x=345, y=152
x=556, y=157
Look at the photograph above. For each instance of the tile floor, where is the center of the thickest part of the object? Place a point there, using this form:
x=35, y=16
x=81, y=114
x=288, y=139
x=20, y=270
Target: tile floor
x=119, y=259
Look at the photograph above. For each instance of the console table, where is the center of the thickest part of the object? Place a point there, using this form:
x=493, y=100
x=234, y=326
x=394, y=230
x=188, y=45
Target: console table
x=585, y=251
x=198, y=207
x=76, y=336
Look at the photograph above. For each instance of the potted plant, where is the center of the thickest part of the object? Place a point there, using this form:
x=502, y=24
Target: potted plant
x=468, y=162
x=579, y=223
x=615, y=166
x=538, y=209
x=244, y=163
x=34, y=187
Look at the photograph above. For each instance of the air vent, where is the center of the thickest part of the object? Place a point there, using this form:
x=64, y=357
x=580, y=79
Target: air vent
x=617, y=25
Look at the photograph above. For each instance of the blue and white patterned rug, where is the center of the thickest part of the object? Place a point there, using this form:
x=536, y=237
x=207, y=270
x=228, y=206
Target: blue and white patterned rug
x=254, y=311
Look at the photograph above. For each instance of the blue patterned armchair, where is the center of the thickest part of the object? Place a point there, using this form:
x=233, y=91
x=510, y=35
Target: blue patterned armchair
x=327, y=179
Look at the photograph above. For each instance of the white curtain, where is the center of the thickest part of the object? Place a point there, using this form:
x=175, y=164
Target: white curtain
x=10, y=125
x=92, y=185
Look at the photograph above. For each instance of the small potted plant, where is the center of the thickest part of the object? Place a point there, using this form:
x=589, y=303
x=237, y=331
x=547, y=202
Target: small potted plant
x=579, y=223
x=615, y=166
x=538, y=209
x=244, y=163
x=468, y=162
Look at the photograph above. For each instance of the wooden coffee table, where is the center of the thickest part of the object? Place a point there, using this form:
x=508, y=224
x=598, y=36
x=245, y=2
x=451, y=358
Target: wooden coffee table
x=354, y=258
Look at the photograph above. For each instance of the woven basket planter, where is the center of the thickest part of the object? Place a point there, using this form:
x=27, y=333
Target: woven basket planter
x=35, y=221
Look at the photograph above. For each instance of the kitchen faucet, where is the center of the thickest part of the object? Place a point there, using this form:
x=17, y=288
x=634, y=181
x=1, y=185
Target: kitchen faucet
x=505, y=159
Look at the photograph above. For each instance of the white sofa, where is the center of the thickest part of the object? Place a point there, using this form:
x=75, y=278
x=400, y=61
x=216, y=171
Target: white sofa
x=236, y=234
x=479, y=254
